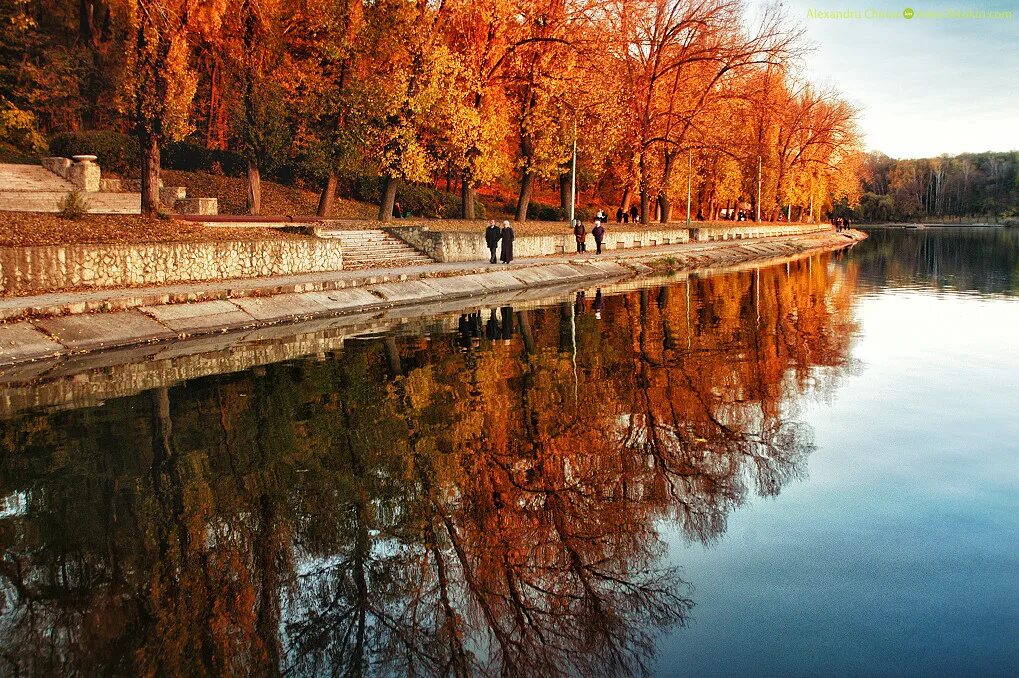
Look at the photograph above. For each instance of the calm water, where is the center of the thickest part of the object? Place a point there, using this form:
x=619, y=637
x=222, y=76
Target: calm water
x=809, y=469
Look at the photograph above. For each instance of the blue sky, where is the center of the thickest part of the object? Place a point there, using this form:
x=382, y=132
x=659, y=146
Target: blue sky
x=924, y=86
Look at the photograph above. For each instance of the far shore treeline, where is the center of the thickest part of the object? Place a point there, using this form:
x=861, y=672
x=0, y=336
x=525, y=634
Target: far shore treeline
x=481, y=99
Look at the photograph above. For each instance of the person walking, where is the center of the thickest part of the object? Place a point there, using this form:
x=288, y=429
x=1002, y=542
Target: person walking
x=580, y=233
x=634, y=214
x=492, y=236
x=619, y=215
x=507, y=242
x=599, y=234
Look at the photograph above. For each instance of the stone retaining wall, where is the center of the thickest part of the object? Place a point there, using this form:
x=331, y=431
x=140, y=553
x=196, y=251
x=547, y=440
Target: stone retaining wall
x=464, y=246
x=27, y=270
x=748, y=229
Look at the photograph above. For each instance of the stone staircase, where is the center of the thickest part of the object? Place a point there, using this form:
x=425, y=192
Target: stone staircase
x=374, y=248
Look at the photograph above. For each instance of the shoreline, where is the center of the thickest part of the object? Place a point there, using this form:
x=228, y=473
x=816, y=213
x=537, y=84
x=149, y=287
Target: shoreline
x=52, y=327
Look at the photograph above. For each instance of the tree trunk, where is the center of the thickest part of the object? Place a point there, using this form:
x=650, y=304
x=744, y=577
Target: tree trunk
x=86, y=23
x=150, y=174
x=664, y=206
x=644, y=197
x=254, y=188
x=325, y=201
x=624, y=204
x=389, y=186
x=526, y=186
x=565, y=191
x=467, y=192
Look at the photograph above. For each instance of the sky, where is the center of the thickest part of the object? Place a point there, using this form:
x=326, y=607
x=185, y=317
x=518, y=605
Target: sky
x=924, y=86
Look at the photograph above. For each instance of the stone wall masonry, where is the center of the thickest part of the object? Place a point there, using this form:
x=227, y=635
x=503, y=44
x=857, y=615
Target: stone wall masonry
x=451, y=246
x=748, y=229
x=27, y=270
x=37, y=369
x=59, y=166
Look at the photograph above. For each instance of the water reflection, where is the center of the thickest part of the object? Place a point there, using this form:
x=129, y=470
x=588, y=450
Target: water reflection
x=967, y=259
x=484, y=502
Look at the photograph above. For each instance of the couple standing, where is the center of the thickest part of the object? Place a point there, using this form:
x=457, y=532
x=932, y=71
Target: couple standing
x=580, y=233
x=493, y=234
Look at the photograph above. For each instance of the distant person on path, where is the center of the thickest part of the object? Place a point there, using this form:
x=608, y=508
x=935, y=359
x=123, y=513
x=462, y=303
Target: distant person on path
x=580, y=233
x=507, y=242
x=848, y=224
x=634, y=213
x=397, y=210
x=601, y=216
x=492, y=236
x=619, y=215
x=599, y=234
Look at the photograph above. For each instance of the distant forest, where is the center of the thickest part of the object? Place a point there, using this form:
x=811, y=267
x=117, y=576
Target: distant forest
x=967, y=185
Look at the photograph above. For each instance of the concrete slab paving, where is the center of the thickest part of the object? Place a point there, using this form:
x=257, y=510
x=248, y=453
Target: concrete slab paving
x=86, y=332
x=26, y=371
x=610, y=267
x=411, y=290
x=203, y=315
x=282, y=306
x=344, y=299
x=568, y=271
x=534, y=276
x=22, y=341
x=463, y=286
x=499, y=280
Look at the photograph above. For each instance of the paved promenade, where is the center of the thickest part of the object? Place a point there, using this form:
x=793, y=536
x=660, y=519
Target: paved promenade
x=50, y=325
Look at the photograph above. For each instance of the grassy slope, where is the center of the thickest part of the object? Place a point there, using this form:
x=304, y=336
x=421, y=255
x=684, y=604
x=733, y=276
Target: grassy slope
x=24, y=229
x=277, y=199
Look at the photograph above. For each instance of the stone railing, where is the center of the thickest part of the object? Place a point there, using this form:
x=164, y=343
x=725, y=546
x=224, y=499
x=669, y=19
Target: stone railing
x=449, y=246
x=83, y=171
x=749, y=229
x=33, y=270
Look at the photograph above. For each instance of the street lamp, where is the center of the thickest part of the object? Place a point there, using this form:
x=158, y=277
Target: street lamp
x=573, y=173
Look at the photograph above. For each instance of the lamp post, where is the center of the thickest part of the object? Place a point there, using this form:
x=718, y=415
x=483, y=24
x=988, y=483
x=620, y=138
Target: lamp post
x=758, y=189
x=689, y=179
x=573, y=173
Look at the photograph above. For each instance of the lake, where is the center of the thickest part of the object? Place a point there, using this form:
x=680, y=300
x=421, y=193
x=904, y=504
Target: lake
x=810, y=468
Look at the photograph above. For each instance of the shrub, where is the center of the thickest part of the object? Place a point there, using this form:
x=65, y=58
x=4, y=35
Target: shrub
x=18, y=133
x=537, y=211
x=417, y=200
x=16, y=156
x=191, y=157
x=74, y=205
x=116, y=152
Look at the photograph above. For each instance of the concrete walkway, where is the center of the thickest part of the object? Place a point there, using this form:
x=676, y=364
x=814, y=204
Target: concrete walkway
x=57, y=324
x=73, y=302
x=31, y=188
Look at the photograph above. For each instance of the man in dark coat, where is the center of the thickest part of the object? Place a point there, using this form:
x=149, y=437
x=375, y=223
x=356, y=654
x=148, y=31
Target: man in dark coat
x=634, y=213
x=619, y=215
x=507, y=242
x=580, y=233
x=492, y=236
x=599, y=234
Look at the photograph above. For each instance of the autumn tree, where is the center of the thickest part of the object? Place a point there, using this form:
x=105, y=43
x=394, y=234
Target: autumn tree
x=162, y=79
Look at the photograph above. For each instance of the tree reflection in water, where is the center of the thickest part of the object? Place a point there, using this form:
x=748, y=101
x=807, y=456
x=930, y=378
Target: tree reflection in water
x=479, y=503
